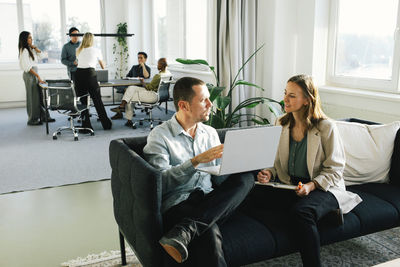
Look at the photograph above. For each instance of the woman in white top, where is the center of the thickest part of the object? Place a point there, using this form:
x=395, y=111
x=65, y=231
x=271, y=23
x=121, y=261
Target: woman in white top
x=28, y=56
x=147, y=93
x=86, y=80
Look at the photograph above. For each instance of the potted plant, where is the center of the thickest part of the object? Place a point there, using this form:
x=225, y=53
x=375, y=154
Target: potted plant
x=120, y=52
x=223, y=115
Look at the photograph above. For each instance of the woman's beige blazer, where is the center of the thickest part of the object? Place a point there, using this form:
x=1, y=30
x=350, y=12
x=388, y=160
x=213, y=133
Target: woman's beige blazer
x=325, y=162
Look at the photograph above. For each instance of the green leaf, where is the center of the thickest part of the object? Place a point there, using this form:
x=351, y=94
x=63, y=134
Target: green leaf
x=222, y=102
x=192, y=61
x=252, y=105
x=272, y=107
x=242, y=82
x=263, y=122
x=215, y=91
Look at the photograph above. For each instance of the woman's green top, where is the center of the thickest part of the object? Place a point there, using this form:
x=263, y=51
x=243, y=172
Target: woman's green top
x=298, y=158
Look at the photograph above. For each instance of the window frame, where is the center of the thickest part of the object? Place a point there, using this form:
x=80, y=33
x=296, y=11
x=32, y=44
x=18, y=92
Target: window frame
x=370, y=84
x=64, y=37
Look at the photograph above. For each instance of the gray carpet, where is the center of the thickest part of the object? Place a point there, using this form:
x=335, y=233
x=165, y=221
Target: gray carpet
x=362, y=251
x=30, y=159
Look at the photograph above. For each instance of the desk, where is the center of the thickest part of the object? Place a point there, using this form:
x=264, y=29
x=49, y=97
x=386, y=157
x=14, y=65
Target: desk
x=121, y=82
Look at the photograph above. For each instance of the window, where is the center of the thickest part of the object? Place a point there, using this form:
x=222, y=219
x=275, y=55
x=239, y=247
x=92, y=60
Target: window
x=364, y=44
x=44, y=25
x=45, y=20
x=83, y=20
x=181, y=29
x=8, y=31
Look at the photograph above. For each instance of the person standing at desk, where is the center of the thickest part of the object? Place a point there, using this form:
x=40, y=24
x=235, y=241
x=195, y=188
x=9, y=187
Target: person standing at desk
x=86, y=80
x=28, y=56
x=140, y=70
x=68, y=53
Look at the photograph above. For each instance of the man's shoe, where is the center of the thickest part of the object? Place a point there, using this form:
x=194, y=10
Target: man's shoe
x=118, y=109
x=176, y=241
x=130, y=124
x=117, y=116
x=34, y=123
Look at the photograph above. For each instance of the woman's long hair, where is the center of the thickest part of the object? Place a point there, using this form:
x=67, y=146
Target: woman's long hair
x=312, y=113
x=23, y=43
x=87, y=41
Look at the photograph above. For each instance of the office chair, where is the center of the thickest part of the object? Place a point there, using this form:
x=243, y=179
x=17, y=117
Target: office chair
x=63, y=99
x=163, y=95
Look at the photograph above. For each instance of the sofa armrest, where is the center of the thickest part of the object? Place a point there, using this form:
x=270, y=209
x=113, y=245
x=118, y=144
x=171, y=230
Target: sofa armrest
x=394, y=173
x=136, y=189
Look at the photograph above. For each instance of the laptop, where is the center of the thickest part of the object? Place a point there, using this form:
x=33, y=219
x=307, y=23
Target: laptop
x=102, y=76
x=247, y=150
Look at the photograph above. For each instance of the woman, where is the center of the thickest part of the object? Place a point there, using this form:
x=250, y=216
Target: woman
x=86, y=80
x=147, y=93
x=28, y=56
x=310, y=152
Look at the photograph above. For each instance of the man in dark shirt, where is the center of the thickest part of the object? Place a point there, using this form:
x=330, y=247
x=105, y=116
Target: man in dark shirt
x=140, y=70
x=68, y=56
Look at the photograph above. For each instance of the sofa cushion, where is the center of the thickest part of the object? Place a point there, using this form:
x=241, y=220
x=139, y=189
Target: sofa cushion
x=394, y=173
x=374, y=213
x=387, y=192
x=240, y=233
x=368, y=151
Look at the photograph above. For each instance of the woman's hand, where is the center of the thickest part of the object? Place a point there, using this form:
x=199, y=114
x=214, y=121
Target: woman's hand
x=40, y=80
x=305, y=189
x=264, y=176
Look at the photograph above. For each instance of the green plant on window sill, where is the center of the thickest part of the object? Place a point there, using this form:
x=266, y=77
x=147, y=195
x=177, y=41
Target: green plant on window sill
x=120, y=52
x=223, y=115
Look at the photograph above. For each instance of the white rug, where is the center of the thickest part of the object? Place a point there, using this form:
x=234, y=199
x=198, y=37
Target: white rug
x=104, y=259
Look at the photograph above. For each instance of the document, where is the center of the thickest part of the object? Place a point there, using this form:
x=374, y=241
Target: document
x=132, y=78
x=279, y=185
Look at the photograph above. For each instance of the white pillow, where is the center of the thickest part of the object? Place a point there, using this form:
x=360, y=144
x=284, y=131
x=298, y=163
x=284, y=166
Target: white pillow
x=368, y=151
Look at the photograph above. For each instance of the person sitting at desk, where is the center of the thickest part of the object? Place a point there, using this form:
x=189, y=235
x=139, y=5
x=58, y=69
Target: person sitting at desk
x=147, y=93
x=86, y=80
x=140, y=70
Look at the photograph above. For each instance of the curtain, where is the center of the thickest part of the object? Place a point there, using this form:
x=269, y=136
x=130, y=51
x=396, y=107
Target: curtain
x=236, y=41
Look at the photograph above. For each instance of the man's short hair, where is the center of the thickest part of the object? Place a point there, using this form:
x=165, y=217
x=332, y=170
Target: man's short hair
x=183, y=90
x=72, y=30
x=142, y=53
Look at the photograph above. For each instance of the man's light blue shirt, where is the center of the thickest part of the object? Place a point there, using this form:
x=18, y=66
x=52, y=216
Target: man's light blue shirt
x=170, y=149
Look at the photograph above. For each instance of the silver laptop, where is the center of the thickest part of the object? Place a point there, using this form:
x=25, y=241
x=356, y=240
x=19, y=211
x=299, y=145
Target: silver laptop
x=102, y=76
x=247, y=150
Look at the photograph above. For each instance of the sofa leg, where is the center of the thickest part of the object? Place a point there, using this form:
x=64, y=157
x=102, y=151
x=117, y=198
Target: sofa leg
x=122, y=246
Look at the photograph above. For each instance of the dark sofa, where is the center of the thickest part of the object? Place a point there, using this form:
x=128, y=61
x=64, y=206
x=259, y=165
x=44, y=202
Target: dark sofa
x=251, y=235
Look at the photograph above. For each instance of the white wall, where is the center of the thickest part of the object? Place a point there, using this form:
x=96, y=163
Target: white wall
x=296, y=36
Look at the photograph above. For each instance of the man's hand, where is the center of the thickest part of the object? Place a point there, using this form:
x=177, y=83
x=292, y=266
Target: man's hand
x=209, y=155
x=76, y=63
x=305, y=189
x=264, y=176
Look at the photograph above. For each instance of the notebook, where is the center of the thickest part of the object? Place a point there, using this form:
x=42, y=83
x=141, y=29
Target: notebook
x=102, y=76
x=247, y=150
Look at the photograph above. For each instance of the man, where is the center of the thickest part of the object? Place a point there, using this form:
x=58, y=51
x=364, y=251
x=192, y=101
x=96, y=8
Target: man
x=140, y=70
x=68, y=56
x=192, y=209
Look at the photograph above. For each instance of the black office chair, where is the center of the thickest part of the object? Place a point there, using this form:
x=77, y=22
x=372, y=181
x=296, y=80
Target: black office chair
x=62, y=98
x=163, y=95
